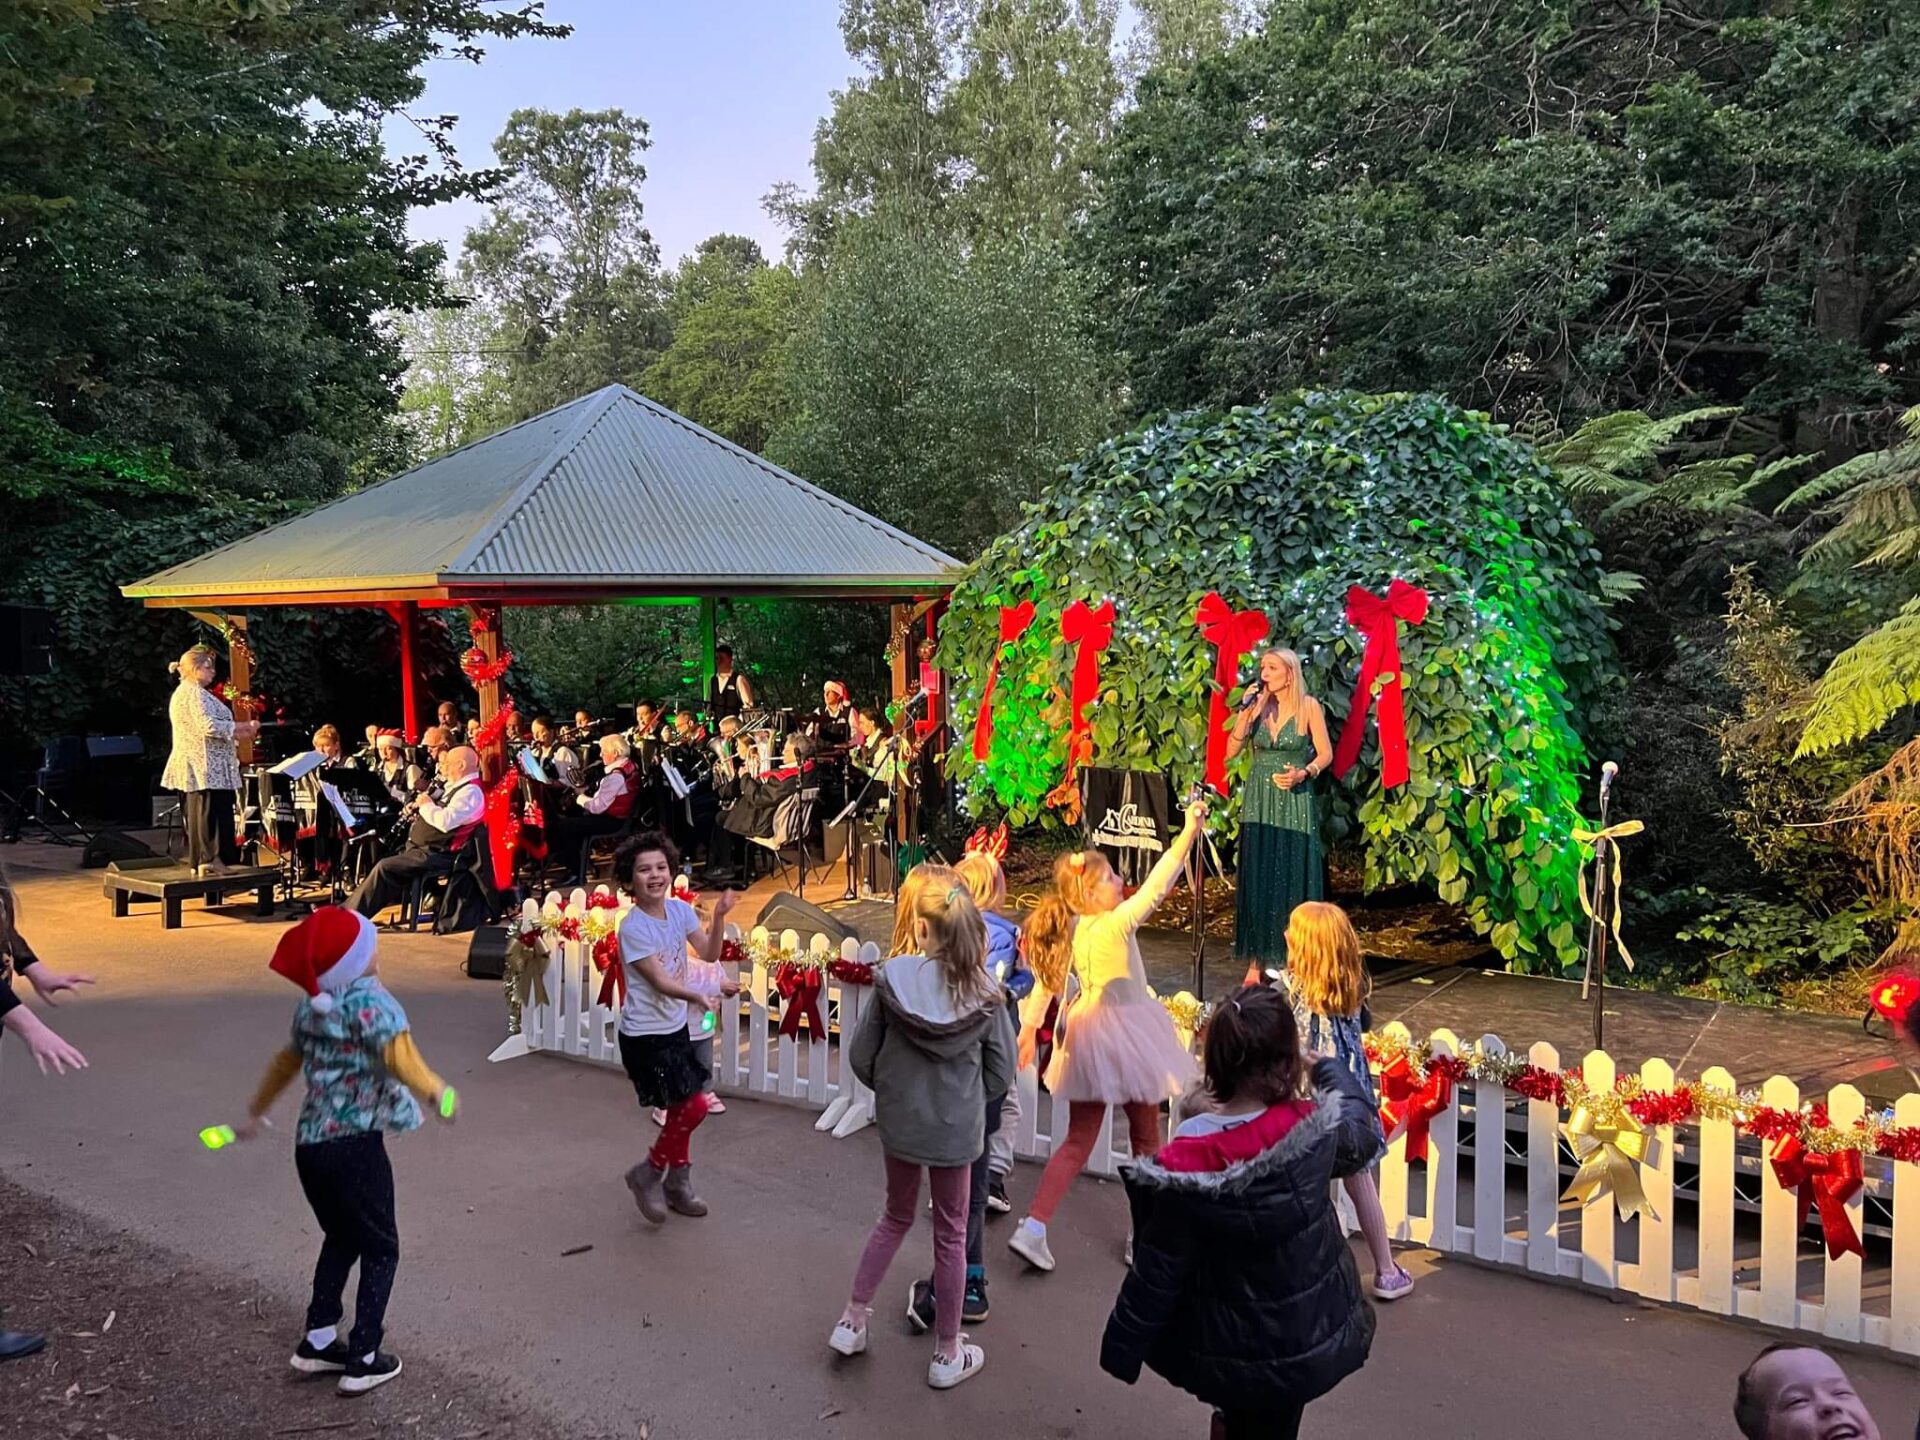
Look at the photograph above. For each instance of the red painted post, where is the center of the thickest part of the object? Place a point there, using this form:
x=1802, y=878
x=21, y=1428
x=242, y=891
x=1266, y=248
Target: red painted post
x=404, y=615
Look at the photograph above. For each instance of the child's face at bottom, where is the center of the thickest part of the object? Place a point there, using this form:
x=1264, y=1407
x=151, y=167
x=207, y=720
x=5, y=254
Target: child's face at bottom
x=652, y=876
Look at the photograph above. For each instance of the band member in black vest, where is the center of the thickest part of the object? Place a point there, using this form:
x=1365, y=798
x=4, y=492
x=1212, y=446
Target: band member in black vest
x=731, y=692
x=557, y=759
x=605, y=812
x=834, y=729
x=440, y=829
x=648, y=723
x=402, y=779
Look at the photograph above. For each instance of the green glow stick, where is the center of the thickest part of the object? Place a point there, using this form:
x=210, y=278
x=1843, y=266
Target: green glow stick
x=448, y=1100
x=706, y=1025
x=217, y=1137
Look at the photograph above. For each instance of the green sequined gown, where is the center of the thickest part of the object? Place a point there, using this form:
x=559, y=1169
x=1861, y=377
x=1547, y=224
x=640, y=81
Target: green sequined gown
x=1280, y=863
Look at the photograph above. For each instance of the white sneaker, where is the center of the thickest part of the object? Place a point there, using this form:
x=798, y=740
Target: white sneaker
x=715, y=1106
x=945, y=1374
x=846, y=1340
x=1031, y=1246
x=659, y=1117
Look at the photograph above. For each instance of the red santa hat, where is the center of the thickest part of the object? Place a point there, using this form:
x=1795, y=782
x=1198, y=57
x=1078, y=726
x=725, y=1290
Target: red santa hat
x=841, y=686
x=325, y=953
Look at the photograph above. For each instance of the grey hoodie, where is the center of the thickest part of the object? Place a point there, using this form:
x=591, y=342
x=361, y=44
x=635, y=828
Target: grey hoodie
x=930, y=1064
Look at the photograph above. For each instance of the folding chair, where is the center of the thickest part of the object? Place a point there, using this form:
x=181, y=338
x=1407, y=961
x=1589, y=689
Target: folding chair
x=792, y=825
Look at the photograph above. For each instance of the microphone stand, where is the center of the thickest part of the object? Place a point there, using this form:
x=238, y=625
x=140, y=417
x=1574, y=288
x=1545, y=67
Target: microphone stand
x=1593, y=984
x=852, y=817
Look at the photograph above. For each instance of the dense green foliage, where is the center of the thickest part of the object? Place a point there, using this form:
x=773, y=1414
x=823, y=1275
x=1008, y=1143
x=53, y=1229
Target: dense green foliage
x=1575, y=208
x=1282, y=508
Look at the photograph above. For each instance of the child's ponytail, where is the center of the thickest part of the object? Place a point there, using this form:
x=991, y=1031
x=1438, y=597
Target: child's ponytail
x=956, y=940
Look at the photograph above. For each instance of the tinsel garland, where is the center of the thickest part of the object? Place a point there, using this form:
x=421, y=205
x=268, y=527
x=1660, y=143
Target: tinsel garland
x=1687, y=1103
x=776, y=960
x=480, y=670
x=489, y=734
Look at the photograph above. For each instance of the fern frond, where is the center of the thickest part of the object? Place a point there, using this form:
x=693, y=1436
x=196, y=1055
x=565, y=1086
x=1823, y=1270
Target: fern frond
x=1617, y=586
x=1832, y=482
x=1626, y=441
x=1899, y=548
x=1868, y=684
x=1786, y=464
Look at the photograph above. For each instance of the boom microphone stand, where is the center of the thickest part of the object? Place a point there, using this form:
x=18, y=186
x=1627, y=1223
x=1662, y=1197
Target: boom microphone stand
x=1594, y=984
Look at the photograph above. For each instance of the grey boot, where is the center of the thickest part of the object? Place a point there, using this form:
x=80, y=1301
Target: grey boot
x=646, y=1184
x=680, y=1196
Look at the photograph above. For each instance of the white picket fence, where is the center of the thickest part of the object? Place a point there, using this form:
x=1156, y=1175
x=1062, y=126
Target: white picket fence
x=1723, y=1237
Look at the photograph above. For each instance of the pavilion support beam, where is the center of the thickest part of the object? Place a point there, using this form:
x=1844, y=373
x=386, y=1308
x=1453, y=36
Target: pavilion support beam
x=239, y=668
x=709, y=616
x=493, y=760
x=406, y=614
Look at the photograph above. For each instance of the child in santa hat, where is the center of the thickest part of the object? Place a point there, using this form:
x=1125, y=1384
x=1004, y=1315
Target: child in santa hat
x=350, y=1036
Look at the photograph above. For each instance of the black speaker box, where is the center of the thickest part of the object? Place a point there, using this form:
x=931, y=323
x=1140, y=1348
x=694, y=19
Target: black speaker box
x=487, y=953
x=109, y=846
x=786, y=911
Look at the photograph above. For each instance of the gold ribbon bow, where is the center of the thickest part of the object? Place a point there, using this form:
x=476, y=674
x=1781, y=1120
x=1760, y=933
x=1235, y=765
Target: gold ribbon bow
x=526, y=978
x=1610, y=1154
x=1615, y=834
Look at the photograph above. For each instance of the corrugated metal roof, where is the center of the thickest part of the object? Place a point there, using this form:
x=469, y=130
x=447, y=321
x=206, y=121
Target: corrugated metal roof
x=610, y=492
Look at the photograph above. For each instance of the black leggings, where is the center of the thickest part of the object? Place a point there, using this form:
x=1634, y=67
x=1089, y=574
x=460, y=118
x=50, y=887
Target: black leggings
x=349, y=1184
x=207, y=818
x=1277, y=1422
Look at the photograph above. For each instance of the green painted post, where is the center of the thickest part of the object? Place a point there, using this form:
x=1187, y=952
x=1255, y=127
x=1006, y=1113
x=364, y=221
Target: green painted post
x=708, y=607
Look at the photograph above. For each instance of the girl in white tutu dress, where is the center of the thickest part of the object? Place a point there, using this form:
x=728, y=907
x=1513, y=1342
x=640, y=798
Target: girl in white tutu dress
x=1118, y=1045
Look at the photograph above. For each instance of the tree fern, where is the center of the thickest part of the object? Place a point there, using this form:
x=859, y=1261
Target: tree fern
x=1867, y=685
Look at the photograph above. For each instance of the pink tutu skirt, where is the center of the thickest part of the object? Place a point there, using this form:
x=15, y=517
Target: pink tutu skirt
x=1119, y=1050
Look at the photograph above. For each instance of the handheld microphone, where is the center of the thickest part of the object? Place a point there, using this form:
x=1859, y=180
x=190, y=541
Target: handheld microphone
x=1607, y=773
x=1251, y=698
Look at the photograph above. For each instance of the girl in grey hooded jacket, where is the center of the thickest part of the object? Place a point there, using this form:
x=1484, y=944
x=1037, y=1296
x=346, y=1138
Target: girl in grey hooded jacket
x=936, y=1042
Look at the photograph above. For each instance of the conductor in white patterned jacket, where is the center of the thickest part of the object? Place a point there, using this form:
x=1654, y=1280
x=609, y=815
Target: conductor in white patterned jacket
x=203, y=766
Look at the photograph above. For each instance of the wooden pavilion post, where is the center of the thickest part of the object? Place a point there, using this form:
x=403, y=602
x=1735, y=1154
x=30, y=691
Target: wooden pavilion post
x=708, y=640
x=240, y=672
x=404, y=614
x=493, y=759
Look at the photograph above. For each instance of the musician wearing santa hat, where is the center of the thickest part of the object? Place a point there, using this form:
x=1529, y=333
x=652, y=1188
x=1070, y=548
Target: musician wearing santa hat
x=351, y=1039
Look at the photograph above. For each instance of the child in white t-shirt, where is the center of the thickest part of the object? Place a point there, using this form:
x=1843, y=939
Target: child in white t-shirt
x=655, y=1044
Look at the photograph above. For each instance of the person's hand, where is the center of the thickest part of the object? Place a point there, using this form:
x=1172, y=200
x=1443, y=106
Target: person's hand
x=724, y=902
x=1029, y=1048
x=1197, y=814
x=729, y=986
x=48, y=1049
x=245, y=729
x=49, y=983
x=251, y=1130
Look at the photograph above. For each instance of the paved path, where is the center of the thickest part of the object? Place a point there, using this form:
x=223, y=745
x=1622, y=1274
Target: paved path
x=717, y=1328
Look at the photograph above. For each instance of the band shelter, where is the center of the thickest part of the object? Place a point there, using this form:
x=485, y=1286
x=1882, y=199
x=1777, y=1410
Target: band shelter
x=521, y=518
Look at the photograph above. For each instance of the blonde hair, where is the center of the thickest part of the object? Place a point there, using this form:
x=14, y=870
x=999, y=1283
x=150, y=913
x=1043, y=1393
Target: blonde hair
x=1049, y=929
x=1291, y=660
x=956, y=941
x=907, y=899
x=190, y=659
x=982, y=875
x=325, y=734
x=1323, y=960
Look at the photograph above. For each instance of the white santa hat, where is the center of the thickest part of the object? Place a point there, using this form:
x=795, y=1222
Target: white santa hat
x=325, y=953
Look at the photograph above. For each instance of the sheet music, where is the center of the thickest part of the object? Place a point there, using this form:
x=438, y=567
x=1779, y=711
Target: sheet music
x=674, y=779
x=339, y=805
x=531, y=767
x=294, y=766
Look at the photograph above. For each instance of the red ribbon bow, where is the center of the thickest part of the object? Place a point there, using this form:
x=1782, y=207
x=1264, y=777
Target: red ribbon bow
x=1380, y=619
x=1826, y=1180
x=613, y=975
x=993, y=844
x=1091, y=631
x=1014, y=620
x=1232, y=633
x=1412, y=1104
x=799, y=986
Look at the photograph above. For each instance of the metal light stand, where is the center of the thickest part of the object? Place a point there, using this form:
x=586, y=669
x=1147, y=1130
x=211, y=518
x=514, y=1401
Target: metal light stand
x=1593, y=985
x=1197, y=884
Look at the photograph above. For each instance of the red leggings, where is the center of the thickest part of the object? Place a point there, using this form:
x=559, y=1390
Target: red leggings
x=1084, y=1128
x=670, y=1150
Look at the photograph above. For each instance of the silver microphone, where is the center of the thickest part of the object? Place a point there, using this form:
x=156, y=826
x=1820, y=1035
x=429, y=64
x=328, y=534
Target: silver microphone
x=1607, y=773
x=1251, y=698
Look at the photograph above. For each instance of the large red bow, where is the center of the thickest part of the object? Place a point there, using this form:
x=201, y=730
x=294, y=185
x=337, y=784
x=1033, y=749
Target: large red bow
x=1014, y=620
x=1091, y=631
x=613, y=975
x=1380, y=619
x=799, y=986
x=993, y=845
x=1412, y=1103
x=1232, y=634
x=1827, y=1180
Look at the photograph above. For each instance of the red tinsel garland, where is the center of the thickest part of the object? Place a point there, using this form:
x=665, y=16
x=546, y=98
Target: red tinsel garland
x=489, y=734
x=480, y=670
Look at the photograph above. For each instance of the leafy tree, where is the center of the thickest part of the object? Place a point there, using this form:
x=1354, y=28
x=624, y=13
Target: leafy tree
x=564, y=262
x=454, y=389
x=1283, y=507
x=939, y=385
x=734, y=321
x=1576, y=208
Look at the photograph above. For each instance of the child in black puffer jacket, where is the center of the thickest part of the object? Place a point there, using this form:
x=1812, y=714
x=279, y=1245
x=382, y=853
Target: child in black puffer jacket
x=1242, y=1290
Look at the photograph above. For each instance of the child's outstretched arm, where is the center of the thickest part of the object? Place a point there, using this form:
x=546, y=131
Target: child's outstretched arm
x=280, y=1072
x=1134, y=910
x=1154, y=1283
x=404, y=1062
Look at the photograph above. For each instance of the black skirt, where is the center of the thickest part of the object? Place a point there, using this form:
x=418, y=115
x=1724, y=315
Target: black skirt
x=665, y=1069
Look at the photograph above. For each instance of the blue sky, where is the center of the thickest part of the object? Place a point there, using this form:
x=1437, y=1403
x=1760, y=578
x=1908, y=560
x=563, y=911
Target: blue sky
x=730, y=88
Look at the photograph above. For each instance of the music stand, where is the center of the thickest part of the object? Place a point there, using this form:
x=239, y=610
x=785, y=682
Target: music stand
x=360, y=797
x=850, y=817
x=280, y=824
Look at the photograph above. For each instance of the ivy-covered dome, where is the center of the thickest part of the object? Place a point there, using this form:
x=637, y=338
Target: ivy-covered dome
x=1282, y=507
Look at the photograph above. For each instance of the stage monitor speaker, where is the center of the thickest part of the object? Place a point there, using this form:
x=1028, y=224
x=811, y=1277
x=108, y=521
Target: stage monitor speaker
x=109, y=846
x=487, y=953
x=786, y=911
x=26, y=640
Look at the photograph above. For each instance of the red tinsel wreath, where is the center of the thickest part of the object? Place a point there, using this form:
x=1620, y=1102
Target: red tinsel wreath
x=480, y=670
x=1655, y=1107
x=852, y=972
